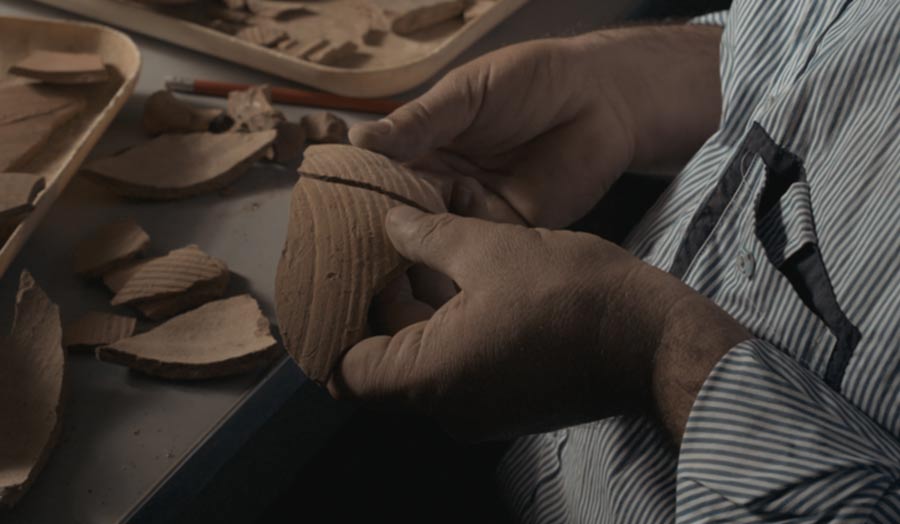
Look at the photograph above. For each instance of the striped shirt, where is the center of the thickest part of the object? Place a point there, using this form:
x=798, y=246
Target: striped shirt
x=789, y=219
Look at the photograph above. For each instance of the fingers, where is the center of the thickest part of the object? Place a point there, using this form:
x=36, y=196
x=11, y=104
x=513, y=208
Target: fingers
x=430, y=286
x=470, y=198
x=395, y=307
x=461, y=248
x=427, y=123
x=380, y=368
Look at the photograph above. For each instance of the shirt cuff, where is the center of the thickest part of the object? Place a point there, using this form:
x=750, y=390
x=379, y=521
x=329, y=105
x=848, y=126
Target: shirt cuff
x=714, y=18
x=767, y=439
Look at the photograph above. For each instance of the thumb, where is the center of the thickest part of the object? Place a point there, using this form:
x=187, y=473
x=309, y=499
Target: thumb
x=425, y=124
x=461, y=248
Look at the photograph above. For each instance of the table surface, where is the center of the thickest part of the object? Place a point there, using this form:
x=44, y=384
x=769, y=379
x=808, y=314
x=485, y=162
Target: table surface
x=125, y=434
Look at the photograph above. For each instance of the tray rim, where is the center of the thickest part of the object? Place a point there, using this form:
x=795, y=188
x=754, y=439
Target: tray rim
x=364, y=83
x=58, y=179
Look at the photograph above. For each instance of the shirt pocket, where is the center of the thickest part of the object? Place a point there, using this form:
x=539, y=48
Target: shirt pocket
x=782, y=317
x=785, y=236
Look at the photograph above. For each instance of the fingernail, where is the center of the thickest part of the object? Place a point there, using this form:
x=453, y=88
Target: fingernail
x=401, y=215
x=380, y=127
x=371, y=135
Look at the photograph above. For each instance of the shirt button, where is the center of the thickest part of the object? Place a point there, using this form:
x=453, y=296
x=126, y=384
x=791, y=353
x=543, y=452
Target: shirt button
x=745, y=264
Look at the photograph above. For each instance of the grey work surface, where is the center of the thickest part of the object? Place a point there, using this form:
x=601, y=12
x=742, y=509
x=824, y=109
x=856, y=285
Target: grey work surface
x=126, y=436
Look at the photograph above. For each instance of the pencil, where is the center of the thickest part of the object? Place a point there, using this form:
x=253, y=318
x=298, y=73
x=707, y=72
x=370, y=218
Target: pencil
x=285, y=95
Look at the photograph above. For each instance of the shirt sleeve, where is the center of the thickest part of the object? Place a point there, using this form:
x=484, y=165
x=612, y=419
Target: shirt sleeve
x=714, y=18
x=768, y=441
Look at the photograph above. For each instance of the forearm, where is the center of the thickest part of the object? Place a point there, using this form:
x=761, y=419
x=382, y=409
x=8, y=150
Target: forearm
x=667, y=78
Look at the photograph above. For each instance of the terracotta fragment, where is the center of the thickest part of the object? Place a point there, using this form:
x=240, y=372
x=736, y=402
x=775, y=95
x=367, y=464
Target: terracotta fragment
x=289, y=46
x=165, y=307
x=229, y=28
x=116, y=279
x=181, y=165
x=32, y=368
x=331, y=53
x=180, y=280
x=337, y=255
x=237, y=16
x=21, y=140
x=164, y=113
x=17, y=194
x=307, y=48
x=289, y=144
x=408, y=16
x=324, y=127
x=376, y=28
x=54, y=67
x=277, y=9
x=264, y=35
x=252, y=109
x=96, y=329
x=201, y=293
x=109, y=247
x=218, y=339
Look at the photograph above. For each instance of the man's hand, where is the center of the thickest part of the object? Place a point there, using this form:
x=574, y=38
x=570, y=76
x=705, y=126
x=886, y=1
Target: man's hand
x=550, y=328
x=549, y=125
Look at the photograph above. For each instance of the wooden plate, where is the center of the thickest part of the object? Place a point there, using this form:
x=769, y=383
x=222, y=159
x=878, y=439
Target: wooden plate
x=60, y=158
x=396, y=65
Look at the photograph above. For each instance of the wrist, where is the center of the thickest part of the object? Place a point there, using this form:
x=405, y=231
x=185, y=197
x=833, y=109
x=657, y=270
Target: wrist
x=696, y=334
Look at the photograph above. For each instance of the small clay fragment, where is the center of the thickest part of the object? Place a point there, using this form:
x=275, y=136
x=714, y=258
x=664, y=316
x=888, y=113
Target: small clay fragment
x=408, y=16
x=276, y=9
x=225, y=26
x=163, y=113
x=288, y=46
x=32, y=367
x=202, y=293
x=304, y=50
x=181, y=165
x=324, y=127
x=180, y=280
x=17, y=194
x=54, y=67
x=289, y=144
x=326, y=52
x=218, y=339
x=21, y=140
x=374, y=26
x=337, y=255
x=109, y=247
x=96, y=329
x=116, y=279
x=477, y=9
x=251, y=109
x=264, y=35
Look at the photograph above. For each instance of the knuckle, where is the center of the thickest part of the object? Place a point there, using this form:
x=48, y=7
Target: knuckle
x=431, y=228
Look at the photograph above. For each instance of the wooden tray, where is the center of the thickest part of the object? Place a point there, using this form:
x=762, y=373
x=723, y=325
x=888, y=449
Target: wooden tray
x=398, y=64
x=60, y=158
